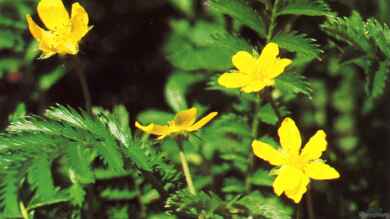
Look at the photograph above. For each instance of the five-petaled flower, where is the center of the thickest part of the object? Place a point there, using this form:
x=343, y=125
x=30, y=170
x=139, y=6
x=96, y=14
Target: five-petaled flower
x=254, y=73
x=184, y=122
x=296, y=167
x=64, y=33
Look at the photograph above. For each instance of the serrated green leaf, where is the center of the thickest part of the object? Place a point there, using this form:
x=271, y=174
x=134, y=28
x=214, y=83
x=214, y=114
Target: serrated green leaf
x=139, y=158
x=241, y=11
x=268, y=115
x=9, y=195
x=77, y=194
x=380, y=78
x=380, y=34
x=299, y=43
x=293, y=84
x=351, y=30
x=37, y=202
x=40, y=177
x=305, y=7
x=79, y=164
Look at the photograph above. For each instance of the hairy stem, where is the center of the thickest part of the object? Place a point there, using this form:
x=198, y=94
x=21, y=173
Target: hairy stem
x=255, y=130
x=272, y=23
x=186, y=169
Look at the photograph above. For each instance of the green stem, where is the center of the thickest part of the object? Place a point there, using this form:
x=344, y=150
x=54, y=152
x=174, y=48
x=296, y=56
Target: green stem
x=83, y=82
x=272, y=23
x=255, y=130
x=299, y=206
x=186, y=169
x=275, y=107
x=309, y=203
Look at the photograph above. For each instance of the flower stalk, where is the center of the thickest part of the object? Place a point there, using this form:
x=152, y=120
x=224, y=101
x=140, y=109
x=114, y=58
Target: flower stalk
x=186, y=168
x=77, y=65
x=255, y=130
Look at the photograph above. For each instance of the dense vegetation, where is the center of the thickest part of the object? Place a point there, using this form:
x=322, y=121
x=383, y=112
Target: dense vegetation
x=69, y=147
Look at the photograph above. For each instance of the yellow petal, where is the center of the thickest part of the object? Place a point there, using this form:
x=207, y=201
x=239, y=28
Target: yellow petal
x=244, y=62
x=289, y=136
x=233, y=80
x=289, y=178
x=268, y=55
x=277, y=68
x=79, y=20
x=296, y=194
x=44, y=38
x=35, y=30
x=267, y=152
x=154, y=129
x=315, y=146
x=54, y=15
x=321, y=171
x=202, y=122
x=186, y=118
x=254, y=86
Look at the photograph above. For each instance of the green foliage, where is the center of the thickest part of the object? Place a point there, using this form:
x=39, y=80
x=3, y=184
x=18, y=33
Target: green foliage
x=68, y=163
x=351, y=30
x=380, y=78
x=299, y=43
x=292, y=84
x=368, y=36
x=305, y=7
x=241, y=11
x=33, y=143
x=12, y=43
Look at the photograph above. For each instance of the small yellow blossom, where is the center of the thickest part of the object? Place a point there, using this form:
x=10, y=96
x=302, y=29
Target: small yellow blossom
x=184, y=122
x=64, y=33
x=254, y=73
x=296, y=166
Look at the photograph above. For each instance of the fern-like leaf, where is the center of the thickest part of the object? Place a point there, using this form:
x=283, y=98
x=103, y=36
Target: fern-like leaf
x=40, y=177
x=351, y=30
x=299, y=43
x=293, y=84
x=9, y=195
x=107, y=146
x=305, y=7
x=380, y=78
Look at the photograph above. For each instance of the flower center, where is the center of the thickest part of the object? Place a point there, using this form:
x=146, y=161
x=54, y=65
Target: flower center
x=296, y=161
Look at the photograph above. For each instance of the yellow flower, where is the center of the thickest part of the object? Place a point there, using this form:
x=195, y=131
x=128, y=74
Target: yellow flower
x=64, y=33
x=296, y=167
x=254, y=73
x=184, y=122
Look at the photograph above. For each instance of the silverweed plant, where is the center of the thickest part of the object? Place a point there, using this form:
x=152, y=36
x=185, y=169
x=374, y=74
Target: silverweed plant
x=259, y=67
